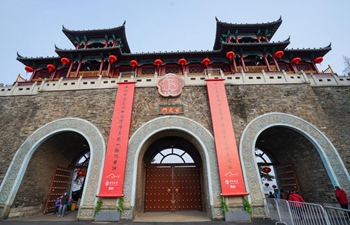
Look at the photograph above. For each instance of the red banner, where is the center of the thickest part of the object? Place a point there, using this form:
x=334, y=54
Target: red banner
x=114, y=168
x=230, y=171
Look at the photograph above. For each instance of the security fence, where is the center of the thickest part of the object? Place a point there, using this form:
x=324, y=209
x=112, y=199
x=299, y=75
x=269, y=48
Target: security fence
x=301, y=213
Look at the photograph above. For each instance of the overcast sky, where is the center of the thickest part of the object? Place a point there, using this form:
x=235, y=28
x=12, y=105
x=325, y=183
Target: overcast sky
x=33, y=27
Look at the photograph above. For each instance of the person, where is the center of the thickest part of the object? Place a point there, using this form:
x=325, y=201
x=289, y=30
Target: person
x=63, y=207
x=296, y=198
x=69, y=203
x=57, y=205
x=342, y=198
x=284, y=195
x=271, y=195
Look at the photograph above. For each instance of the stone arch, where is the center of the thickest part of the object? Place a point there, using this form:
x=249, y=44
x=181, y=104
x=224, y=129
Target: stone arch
x=19, y=163
x=204, y=141
x=330, y=157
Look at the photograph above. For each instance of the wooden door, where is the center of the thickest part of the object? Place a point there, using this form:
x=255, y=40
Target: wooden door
x=158, y=196
x=287, y=178
x=187, y=191
x=59, y=184
x=172, y=188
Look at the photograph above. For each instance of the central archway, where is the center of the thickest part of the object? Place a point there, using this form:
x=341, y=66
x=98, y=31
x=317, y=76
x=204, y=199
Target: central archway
x=167, y=126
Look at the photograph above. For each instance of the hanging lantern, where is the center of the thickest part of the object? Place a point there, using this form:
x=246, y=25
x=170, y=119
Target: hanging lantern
x=28, y=69
x=266, y=170
x=279, y=54
x=318, y=60
x=206, y=61
x=267, y=184
x=158, y=62
x=65, y=61
x=134, y=63
x=81, y=173
x=230, y=55
x=50, y=67
x=112, y=58
x=296, y=60
x=182, y=61
x=274, y=186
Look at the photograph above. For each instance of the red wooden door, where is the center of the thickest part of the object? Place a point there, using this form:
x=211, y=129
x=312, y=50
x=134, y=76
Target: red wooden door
x=172, y=187
x=287, y=178
x=59, y=185
x=187, y=191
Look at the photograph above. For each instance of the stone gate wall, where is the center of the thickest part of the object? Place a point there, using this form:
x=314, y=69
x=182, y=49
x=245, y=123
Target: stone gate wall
x=326, y=108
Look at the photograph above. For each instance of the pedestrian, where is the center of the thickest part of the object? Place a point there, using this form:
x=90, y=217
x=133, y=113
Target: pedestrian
x=295, y=199
x=57, y=205
x=63, y=207
x=342, y=198
x=69, y=203
x=271, y=195
x=284, y=195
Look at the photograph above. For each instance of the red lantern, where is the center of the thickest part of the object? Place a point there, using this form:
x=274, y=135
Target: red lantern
x=266, y=170
x=318, y=60
x=65, y=61
x=50, y=67
x=112, y=58
x=182, y=61
x=267, y=184
x=206, y=61
x=279, y=54
x=134, y=63
x=81, y=173
x=28, y=69
x=158, y=62
x=274, y=186
x=230, y=55
x=296, y=60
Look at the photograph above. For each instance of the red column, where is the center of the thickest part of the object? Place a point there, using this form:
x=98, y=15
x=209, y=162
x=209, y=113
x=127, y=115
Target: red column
x=230, y=171
x=276, y=63
x=78, y=69
x=267, y=62
x=112, y=182
x=70, y=68
x=101, y=66
x=242, y=61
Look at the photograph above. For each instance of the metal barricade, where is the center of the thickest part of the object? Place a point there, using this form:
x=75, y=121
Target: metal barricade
x=308, y=213
x=338, y=216
x=301, y=213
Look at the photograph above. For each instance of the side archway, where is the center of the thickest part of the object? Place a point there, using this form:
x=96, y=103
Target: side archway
x=332, y=162
x=197, y=134
x=19, y=163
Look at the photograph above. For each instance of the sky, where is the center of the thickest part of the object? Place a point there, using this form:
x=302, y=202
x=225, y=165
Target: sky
x=33, y=27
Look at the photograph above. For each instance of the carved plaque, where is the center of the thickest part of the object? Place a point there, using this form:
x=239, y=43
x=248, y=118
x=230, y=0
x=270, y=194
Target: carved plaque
x=170, y=85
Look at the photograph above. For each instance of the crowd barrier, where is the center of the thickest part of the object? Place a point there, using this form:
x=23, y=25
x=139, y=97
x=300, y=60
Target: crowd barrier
x=302, y=213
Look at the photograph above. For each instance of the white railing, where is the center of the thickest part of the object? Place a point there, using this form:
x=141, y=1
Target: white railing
x=81, y=83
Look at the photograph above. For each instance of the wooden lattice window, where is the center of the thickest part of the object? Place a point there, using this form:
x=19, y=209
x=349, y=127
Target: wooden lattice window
x=304, y=67
x=195, y=69
x=148, y=70
x=171, y=69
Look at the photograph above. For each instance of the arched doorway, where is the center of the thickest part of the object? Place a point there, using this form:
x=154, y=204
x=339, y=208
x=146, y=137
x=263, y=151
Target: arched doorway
x=42, y=138
x=302, y=144
x=173, y=171
x=139, y=152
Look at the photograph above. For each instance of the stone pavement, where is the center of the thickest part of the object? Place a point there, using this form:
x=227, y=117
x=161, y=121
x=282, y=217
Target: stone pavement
x=169, y=219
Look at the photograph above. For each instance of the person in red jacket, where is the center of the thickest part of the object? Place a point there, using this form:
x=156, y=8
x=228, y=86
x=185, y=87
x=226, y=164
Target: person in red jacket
x=341, y=197
x=295, y=198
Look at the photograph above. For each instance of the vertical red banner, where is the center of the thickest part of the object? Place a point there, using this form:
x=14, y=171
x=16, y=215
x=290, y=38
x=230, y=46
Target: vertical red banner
x=230, y=171
x=117, y=148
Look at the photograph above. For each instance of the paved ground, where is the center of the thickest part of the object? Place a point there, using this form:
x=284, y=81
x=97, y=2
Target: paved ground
x=168, y=219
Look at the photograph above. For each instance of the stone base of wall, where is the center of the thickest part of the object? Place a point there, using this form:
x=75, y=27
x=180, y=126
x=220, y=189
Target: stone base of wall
x=24, y=211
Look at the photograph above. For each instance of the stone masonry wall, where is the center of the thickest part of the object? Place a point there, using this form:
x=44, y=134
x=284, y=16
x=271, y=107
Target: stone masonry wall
x=326, y=108
x=22, y=115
